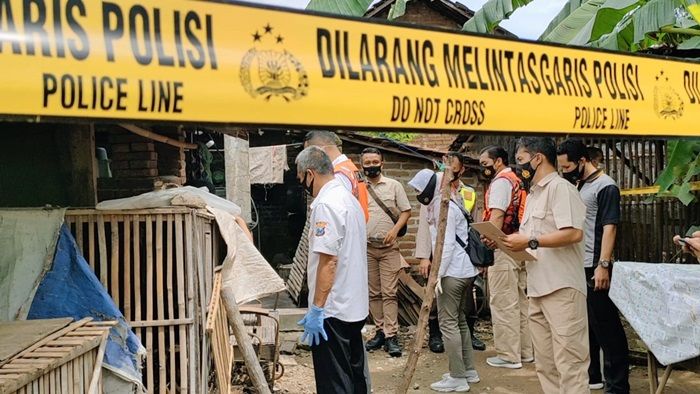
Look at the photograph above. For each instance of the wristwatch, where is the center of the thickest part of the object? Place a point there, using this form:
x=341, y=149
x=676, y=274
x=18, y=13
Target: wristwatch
x=605, y=263
x=533, y=243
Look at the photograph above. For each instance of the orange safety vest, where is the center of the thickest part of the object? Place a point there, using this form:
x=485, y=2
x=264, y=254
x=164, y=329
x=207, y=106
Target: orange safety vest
x=514, y=213
x=359, y=186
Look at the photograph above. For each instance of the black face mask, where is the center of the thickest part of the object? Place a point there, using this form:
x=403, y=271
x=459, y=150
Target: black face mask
x=373, y=171
x=308, y=188
x=488, y=172
x=426, y=196
x=525, y=172
x=573, y=176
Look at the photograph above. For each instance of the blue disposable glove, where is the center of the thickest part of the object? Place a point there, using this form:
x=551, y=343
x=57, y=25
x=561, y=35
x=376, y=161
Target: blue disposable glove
x=313, y=326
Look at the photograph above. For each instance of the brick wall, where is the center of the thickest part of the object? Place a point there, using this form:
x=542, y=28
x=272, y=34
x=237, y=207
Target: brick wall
x=138, y=164
x=418, y=12
x=401, y=168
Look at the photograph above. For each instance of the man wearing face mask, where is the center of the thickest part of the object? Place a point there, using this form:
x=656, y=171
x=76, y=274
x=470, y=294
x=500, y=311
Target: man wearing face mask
x=344, y=169
x=552, y=230
x=602, y=198
x=503, y=205
x=389, y=211
x=337, y=279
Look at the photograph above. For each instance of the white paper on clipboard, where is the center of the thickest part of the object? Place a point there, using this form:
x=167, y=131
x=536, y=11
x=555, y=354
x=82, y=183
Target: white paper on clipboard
x=490, y=231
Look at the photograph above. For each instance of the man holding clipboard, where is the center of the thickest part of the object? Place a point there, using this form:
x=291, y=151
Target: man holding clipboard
x=552, y=230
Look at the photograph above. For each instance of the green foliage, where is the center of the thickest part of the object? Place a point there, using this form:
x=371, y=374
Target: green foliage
x=396, y=136
x=340, y=7
x=397, y=10
x=493, y=12
x=682, y=165
x=568, y=9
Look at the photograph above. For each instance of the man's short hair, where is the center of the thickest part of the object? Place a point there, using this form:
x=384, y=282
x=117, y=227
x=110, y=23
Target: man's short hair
x=543, y=145
x=314, y=158
x=574, y=149
x=595, y=154
x=495, y=152
x=371, y=150
x=322, y=137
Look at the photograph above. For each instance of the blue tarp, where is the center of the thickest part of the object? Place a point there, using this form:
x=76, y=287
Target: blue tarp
x=71, y=289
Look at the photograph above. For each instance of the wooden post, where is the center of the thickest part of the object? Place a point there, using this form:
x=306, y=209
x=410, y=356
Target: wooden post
x=417, y=345
x=252, y=363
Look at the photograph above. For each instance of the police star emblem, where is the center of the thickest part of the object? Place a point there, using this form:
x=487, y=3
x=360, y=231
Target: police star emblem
x=270, y=71
x=668, y=104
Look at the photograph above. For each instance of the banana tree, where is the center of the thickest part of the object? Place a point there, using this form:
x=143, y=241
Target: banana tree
x=340, y=7
x=491, y=14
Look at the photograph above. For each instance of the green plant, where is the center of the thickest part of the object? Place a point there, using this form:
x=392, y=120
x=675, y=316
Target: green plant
x=396, y=136
x=682, y=165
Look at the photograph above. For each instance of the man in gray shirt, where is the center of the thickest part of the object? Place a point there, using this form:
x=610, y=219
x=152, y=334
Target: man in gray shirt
x=602, y=198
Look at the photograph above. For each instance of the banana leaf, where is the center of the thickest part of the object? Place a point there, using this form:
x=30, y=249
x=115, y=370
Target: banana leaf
x=682, y=165
x=397, y=10
x=566, y=10
x=572, y=24
x=607, y=19
x=340, y=7
x=493, y=12
x=691, y=43
x=620, y=38
x=654, y=15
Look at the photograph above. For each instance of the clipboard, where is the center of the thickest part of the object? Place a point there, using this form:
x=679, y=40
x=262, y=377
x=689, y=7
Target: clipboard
x=490, y=231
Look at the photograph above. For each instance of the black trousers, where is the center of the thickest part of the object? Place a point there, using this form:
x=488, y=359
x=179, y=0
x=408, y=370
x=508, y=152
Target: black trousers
x=604, y=322
x=339, y=362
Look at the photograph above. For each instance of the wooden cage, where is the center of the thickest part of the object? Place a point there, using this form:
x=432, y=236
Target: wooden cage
x=158, y=266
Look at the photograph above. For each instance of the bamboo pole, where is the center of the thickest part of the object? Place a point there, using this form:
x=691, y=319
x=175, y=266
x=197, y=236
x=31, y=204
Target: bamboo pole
x=157, y=137
x=252, y=363
x=429, y=296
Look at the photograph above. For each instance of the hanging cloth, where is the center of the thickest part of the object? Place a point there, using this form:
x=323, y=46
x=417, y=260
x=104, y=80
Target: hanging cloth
x=267, y=164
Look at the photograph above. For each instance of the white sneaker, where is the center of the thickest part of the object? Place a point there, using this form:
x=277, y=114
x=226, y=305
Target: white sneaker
x=596, y=386
x=501, y=363
x=450, y=385
x=528, y=360
x=472, y=376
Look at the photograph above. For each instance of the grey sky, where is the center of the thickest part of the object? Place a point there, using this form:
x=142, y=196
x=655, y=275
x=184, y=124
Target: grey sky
x=526, y=22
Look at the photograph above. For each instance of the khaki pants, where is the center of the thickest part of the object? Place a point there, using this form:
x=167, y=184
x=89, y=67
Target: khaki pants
x=559, y=325
x=509, y=308
x=384, y=265
x=453, y=324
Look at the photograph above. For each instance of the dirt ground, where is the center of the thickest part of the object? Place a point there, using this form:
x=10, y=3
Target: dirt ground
x=386, y=372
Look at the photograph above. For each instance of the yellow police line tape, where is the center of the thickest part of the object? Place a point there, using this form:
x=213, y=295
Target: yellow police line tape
x=638, y=191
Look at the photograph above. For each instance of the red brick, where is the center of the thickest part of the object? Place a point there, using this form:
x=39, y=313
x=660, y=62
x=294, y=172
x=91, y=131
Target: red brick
x=135, y=156
x=141, y=173
x=143, y=164
x=143, y=146
x=117, y=148
x=118, y=165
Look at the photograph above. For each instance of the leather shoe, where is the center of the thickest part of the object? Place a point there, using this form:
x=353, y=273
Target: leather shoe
x=435, y=344
x=377, y=342
x=392, y=347
x=477, y=344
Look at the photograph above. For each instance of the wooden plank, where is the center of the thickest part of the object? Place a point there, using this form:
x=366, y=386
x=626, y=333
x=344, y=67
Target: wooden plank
x=91, y=240
x=19, y=335
x=180, y=269
x=79, y=233
x=97, y=368
x=172, y=344
x=138, y=312
x=160, y=304
x=127, y=268
x=102, y=239
x=114, y=262
x=149, y=303
x=190, y=262
x=64, y=378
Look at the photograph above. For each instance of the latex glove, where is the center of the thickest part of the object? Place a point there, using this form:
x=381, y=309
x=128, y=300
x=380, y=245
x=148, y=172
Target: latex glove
x=313, y=326
x=438, y=287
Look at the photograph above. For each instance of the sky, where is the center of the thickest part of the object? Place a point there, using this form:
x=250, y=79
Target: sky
x=526, y=22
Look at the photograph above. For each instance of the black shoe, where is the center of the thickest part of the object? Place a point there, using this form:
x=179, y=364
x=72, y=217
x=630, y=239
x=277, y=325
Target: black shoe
x=477, y=344
x=377, y=342
x=392, y=347
x=435, y=344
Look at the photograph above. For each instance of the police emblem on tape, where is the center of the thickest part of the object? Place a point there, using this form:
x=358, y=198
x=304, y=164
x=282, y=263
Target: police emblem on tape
x=320, y=229
x=667, y=102
x=270, y=71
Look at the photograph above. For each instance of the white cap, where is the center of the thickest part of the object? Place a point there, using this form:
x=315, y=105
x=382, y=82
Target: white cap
x=421, y=179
